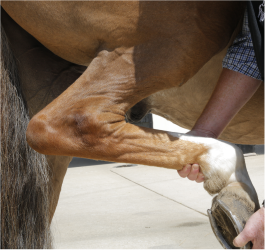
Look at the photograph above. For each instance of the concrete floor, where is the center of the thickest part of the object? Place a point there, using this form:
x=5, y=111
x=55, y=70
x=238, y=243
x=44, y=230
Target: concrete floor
x=104, y=205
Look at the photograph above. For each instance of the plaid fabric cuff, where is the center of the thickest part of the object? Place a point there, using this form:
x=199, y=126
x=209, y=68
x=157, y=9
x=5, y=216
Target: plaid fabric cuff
x=240, y=56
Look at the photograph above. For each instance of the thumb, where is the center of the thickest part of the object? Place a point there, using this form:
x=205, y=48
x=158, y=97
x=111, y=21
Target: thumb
x=241, y=240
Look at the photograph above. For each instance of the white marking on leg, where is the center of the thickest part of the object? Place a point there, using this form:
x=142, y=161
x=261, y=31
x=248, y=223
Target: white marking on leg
x=222, y=165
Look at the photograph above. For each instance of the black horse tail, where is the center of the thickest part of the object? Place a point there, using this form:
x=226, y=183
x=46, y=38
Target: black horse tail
x=24, y=172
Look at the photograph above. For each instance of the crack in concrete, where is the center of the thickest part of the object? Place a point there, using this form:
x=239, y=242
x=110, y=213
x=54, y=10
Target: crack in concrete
x=158, y=193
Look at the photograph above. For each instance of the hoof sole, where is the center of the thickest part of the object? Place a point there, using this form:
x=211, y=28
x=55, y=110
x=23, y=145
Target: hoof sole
x=228, y=216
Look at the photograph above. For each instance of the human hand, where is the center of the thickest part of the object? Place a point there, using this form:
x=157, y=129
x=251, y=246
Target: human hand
x=253, y=231
x=192, y=171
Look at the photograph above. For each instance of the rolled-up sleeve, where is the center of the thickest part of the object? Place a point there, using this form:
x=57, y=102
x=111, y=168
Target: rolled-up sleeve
x=240, y=55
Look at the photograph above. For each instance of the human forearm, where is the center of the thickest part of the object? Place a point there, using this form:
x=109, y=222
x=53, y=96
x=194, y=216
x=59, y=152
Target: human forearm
x=232, y=92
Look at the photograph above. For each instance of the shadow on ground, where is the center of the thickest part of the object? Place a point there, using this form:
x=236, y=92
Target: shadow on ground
x=81, y=162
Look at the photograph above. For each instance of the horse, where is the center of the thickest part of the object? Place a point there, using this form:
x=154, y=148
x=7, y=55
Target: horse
x=184, y=105
x=70, y=73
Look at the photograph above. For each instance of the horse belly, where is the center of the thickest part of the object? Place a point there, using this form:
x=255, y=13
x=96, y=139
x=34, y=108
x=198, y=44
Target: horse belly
x=77, y=31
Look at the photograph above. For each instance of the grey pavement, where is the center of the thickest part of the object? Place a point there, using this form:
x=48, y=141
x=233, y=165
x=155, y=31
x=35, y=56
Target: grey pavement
x=107, y=205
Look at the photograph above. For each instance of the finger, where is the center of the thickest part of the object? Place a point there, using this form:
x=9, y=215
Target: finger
x=200, y=177
x=241, y=240
x=185, y=171
x=194, y=172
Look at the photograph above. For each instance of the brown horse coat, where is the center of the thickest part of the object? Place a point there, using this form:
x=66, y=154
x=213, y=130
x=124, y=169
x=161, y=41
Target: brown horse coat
x=138, y=49
x=184, y=105
x=131, y=50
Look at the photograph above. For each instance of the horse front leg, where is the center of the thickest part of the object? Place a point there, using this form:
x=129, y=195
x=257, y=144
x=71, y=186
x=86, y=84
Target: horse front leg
x=236, y=198
x=87, y=120
x=58, y=166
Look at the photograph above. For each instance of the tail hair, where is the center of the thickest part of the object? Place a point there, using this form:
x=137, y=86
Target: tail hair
x=25, y=184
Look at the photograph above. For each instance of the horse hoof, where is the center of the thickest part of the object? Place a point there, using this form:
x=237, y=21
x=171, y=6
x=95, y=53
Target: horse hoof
x=230, y=210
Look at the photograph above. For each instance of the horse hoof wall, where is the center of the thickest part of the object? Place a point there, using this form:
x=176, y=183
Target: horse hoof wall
x=228, y=216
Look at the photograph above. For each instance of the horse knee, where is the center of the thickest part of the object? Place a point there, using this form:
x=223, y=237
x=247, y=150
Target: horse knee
x=36, y=130
x=72, y=133
x=49, y=134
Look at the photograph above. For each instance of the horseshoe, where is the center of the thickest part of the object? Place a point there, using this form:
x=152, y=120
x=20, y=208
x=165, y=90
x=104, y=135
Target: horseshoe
x=235, y=223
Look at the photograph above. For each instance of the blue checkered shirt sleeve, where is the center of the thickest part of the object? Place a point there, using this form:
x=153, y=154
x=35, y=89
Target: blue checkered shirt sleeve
x=240, y=55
